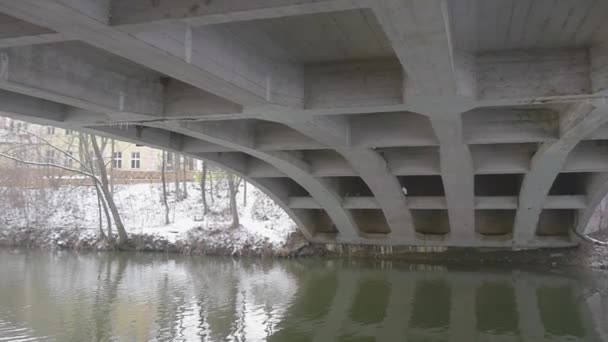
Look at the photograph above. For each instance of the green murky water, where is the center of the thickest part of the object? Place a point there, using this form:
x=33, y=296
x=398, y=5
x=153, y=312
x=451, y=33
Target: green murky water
x=148, y=297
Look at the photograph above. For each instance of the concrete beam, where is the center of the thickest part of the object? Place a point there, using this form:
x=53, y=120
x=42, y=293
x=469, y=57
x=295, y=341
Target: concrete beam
x=588, y=156
x=257, y=168
x=502, y=158
x=363, y=84
x=30, y=109
x=510, y=125
x=15, y=32
x=530, y=75
x=598, y=56
x=578, y=122
x=439, y=202
x=412, y=161
x=60, y=74
x=240, y=138
x=201, y=12
x=197, y=56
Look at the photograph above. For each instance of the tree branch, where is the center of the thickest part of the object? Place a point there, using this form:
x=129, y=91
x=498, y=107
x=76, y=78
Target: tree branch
x=27, y=162
x=56, y=148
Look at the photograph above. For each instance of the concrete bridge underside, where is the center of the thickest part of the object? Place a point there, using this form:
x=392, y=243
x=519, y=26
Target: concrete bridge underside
x=401, y=122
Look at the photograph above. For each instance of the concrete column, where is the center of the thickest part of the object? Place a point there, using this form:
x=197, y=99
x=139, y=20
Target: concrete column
x=348, y=283
x=457, y=174
x=530, y=321
x=399, y=311
x=463, y=312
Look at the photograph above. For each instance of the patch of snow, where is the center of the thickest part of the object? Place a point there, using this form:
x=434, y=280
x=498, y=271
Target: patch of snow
x=262, y=221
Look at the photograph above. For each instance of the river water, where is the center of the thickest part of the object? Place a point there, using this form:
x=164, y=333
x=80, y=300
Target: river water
x=67, y=296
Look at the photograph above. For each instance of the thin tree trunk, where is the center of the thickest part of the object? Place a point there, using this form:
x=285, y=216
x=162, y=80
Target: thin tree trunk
x=233, y=206
x=164, y=181
x=211, y=186
x=176, y=172
x=112, y=169
x=104, y=205
x=184, y=184
x=101, y=233
x=122, y=233
x=244, y=193
x=203, y=189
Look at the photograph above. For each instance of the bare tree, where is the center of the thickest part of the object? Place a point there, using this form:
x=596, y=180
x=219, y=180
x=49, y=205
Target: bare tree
x=85, y=156
x=244, y=193
x=184, y=180
x=204, y=189
x=112, y=167
x=120, y=228
x=176, y=173
x=164, y=181
x=81, y=169
x=211, y=186
x=233, y=188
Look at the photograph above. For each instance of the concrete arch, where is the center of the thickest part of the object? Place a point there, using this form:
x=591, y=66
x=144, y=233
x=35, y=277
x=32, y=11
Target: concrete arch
x=578, y=122
x=367, y=164
x=239, y=136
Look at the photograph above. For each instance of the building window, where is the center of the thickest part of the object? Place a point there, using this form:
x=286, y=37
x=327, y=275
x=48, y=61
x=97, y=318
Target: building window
x=135, y=160
x=69, y=162
x=117, y=160
x=17, y=126
x=50, y=157
x=169, y=161
x=68, y=132
x=50, y=130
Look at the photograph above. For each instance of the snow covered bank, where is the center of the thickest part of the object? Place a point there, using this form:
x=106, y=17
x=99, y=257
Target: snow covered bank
x=69, y=217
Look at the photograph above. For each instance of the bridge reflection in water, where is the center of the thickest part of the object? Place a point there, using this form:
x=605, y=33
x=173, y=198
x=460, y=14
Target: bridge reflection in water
x=150, y=297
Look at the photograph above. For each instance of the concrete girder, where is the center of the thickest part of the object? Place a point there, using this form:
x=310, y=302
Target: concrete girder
x=30, y=108
x=419, y=31
x=232, y=71
x=201, y=12
x=577, y=123
x=439, y=202
x=239, y=138
x=58, y=74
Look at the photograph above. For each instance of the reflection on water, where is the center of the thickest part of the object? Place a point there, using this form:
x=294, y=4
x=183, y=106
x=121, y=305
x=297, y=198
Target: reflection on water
x=141, y=297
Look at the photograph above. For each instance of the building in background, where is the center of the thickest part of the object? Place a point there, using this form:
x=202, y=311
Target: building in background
x=124, y=156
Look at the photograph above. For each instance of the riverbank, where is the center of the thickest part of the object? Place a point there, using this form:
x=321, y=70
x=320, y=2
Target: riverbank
x=197, y=242
x=67, y=218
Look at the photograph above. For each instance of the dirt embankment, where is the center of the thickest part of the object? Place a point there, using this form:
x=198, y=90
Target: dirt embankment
x=195, y=244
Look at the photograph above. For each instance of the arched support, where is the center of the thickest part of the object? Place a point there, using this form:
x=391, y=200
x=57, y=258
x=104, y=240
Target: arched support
x=577, y=123
x=240, y=137
x=367, y=163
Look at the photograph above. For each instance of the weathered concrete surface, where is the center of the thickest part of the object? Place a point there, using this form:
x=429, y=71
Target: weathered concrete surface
x=398, y=122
